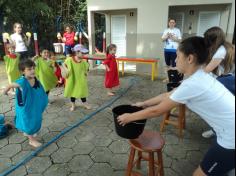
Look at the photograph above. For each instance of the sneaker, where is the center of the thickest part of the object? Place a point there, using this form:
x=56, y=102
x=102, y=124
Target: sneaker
x=208, y=134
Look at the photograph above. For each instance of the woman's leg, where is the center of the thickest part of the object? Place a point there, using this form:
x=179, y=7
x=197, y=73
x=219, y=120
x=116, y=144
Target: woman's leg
x=199, y=172
x=168, y=64
x=218, y=161
x=172, y=59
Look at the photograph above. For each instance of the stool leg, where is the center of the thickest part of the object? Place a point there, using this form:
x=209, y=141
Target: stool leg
x=181, y=120
x=183, y=113
x=160, y=163
x=130, y=163
x=151, y=164
x=163, y=123
x=139, y=160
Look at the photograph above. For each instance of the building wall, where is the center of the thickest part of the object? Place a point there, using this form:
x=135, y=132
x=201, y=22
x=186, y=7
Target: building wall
x=152, y=20
x=224, y=9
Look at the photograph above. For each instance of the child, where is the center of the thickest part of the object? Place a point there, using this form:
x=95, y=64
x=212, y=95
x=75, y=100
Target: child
x=76, y=82
x=31, y=101
x=12, y=60
x=58, y=73
x=45, y=71
x=205, y=96
x=111, y=77
x=68, y=39
x=221, y=58
x=20, y=41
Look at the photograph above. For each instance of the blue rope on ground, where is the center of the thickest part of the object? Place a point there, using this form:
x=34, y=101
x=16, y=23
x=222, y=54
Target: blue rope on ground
x=68, y=129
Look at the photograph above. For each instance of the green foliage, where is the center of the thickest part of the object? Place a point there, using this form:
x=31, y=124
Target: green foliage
x=24, y=11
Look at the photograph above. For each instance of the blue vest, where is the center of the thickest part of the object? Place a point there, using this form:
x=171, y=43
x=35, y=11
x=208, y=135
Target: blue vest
x=30, y=104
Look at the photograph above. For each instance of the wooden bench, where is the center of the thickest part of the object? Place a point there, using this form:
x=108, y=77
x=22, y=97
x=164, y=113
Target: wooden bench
x=152, y=61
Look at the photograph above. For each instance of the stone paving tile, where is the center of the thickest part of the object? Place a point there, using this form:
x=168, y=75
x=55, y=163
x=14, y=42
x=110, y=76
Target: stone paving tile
x=38, y=165
x=57, y=170
x=80, y=163
x=10, y=150
x=102, y=169
x=19, y=172
x=62, y=155
x=4, y=163
x=101, y=155
x=94, y=149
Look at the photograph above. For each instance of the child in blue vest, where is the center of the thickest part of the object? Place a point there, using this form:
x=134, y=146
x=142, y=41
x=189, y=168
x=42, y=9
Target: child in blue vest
x=31, y=101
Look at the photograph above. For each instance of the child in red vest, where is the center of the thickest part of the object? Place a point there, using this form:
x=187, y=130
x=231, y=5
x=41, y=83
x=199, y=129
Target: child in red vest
x=111, y=77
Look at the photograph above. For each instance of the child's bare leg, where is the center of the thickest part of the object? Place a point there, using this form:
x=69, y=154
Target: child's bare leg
x=72, y=104
x=109, y=92
x=85, y=104
x=33, y=142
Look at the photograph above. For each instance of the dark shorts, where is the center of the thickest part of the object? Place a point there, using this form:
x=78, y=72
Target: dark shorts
x=23, y=55
x=170, y=58
x=68, y=49
x=218, y=161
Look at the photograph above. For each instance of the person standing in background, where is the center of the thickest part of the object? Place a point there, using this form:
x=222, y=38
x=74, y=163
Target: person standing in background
x=171, y=38
x=20, y=40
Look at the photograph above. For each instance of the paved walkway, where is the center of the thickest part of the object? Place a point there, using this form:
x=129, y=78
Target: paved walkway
x=94, y=149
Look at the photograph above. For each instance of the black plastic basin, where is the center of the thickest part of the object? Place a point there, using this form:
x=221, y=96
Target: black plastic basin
x=132, y=130
x=171, y=86
x=174, y=76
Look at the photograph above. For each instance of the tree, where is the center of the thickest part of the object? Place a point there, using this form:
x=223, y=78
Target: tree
x=44, y=14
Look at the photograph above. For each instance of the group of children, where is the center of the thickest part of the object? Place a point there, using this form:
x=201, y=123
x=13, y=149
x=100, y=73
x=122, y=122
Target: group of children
x=33, y=79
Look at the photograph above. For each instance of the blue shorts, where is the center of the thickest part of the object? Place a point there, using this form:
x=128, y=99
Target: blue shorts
x=218, y=161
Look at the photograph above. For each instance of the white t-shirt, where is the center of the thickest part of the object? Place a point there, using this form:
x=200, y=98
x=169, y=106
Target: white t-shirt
x=20, y=45
x=220, y=55
x=207, y=97
x=169, y=43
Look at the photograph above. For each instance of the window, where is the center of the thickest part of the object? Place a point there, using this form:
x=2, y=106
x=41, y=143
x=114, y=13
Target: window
x=207, y=20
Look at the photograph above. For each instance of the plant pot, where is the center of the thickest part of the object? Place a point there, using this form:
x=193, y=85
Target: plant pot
x=132, y=130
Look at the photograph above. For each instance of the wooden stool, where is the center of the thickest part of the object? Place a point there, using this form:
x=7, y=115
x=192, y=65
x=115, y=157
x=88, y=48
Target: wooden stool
x=179, y=123
x=149, y=142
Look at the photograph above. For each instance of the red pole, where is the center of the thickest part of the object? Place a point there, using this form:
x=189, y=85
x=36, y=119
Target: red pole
x=36, y=45
x=80, y=38
x=104, y=42
x=5, y=44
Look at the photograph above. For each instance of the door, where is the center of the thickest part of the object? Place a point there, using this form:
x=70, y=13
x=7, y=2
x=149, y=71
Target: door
x=207, y=20
x=118, y=34
x=179, y=17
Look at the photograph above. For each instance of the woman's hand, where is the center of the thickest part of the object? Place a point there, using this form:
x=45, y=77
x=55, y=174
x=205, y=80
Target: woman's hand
x=124, y=119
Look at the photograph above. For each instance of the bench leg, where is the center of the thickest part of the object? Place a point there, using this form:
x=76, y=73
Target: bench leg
x=118, y=67
x=153, y=72
x=123, y=68
x=156, y=69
